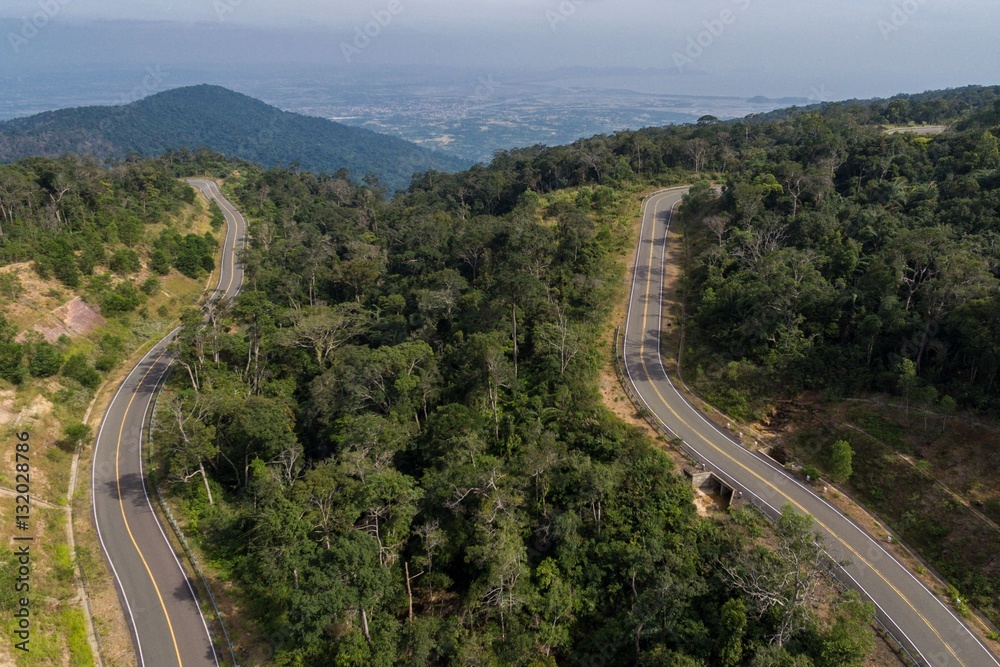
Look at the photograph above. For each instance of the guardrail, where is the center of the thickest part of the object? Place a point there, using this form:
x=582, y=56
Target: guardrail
x=188, y=552
x=749, y=498
x=887, y=635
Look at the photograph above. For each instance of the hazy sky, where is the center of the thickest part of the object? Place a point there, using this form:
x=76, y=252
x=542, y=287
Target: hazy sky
x=830, y=49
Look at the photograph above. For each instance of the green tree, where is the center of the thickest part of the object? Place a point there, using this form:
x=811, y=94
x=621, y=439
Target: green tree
x=11, y=286
x=732, y=627
x=908, y=382
x=12, y=366
x=849, y=640
x=840, y=461
x=122, y=298
x=150, y=286
x=124, y=261
x=160, y=261
x=194, y=256
x=79, y=368
x=782, y=583
x=46, y=360
x=187, y=439
x=217, y=217
x=75, y=435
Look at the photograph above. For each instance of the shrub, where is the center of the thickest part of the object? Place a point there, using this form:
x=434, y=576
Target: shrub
x=159, y=261
x=150, y=286
x=217, y=217
x=92, y=253
x=130, y=230
x=11, y=287
x=106, y=362
x=75, y=435
x=12, y=362
x=122, y=299
x=841, y=457
x=125, y=261
x=78, y=368
x=46, y=360
x=194, y=256
x=57, y=257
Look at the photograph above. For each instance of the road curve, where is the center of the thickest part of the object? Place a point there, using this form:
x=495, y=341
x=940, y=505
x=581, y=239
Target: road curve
x=932, y=633
x=160, y=607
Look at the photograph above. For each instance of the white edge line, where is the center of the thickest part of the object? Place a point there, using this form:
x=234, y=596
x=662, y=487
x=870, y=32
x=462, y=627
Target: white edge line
x=696, y=450
x=784, y=473
x=659, y=357
x=663, y=257
x=823, y=500
x=93, y=493
x=159, y=525
x=93, y=480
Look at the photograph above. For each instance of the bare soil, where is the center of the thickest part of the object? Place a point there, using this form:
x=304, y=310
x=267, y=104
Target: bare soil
x=77, y=317
x=708, y=503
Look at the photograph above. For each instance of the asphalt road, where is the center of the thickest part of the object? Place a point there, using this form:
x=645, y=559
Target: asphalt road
x=166, y=622
x=934, y=634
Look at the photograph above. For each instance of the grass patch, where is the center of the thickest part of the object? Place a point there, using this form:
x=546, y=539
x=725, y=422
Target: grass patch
x=58, y=472
x=75, y=626
x=889, y=432
x=903, y=493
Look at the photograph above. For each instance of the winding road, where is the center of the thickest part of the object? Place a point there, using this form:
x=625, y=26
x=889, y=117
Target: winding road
x=930, y=630
x=166, y=622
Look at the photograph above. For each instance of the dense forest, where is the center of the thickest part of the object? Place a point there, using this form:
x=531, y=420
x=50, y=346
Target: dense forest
x=392, y=439
x=224, y=121
x=393, y=442
x=845, y=259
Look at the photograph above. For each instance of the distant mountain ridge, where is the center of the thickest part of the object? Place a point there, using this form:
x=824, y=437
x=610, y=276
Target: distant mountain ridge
x=224, y=121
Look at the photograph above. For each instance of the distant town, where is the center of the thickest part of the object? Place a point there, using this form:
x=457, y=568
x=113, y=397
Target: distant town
x=466, y=113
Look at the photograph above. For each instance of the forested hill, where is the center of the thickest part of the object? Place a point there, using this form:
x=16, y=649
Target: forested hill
x=932, y=106
x=393, y=442
x=897, y=235
x=223, y=121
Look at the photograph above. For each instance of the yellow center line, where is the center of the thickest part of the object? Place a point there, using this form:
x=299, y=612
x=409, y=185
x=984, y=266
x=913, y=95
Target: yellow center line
x=121, y=434
x=121, y=503
x=233, y=226
x=232, y=255
x=663, y=400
